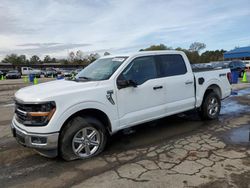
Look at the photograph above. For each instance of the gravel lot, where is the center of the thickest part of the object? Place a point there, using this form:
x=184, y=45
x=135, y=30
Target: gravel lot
x=177, y=151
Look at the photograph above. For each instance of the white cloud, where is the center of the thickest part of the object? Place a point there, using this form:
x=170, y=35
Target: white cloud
x=120, y=25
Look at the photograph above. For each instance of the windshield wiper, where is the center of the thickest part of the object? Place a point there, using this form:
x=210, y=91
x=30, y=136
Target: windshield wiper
x=84, y=77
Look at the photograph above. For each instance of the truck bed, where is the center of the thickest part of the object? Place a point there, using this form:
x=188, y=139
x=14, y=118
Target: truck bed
x=205, y=67
x=211, y=74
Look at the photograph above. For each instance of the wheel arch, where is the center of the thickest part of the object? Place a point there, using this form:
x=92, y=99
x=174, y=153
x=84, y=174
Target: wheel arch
x=93, y=112
x=212, y=88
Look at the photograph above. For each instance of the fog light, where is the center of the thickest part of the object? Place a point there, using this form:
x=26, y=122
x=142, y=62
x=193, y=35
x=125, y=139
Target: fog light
x=38, y=140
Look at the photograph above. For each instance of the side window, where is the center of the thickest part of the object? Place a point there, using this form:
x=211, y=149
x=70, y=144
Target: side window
x=24, y=68
x=171, y=65
x=140, y=70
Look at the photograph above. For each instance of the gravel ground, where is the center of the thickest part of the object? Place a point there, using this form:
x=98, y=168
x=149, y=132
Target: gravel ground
x=177, y=151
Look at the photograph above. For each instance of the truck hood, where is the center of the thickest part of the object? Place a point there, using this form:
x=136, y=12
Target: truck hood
x=49, y=90
x=36, y=70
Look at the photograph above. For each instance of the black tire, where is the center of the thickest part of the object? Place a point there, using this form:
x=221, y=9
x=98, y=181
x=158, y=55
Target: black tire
x=207, y=113
x=73, y=127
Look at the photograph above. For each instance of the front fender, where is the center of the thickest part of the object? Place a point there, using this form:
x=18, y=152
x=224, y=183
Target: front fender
x=83, y=106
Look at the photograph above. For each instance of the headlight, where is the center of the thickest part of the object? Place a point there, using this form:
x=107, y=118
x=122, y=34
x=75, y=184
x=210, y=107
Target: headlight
x=35, y=114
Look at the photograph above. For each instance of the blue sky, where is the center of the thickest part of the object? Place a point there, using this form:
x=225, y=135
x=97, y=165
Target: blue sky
x=56, y=27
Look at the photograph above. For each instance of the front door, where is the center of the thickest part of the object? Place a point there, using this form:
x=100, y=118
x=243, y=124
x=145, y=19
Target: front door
x=146, y=101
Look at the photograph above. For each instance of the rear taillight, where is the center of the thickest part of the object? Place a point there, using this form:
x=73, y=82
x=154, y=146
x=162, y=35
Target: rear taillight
x=229, y=77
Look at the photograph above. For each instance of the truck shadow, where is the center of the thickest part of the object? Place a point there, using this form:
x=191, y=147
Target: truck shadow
x=154, y=132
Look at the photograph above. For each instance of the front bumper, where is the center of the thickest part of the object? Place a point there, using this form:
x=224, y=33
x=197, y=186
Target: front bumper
x=35, y=140
x=11, y=77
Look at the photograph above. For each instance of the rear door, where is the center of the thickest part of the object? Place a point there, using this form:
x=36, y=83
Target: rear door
x=179, y=83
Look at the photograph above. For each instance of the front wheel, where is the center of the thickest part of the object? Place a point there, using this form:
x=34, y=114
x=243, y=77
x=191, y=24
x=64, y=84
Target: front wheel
x=83, y=137
x=210, y=108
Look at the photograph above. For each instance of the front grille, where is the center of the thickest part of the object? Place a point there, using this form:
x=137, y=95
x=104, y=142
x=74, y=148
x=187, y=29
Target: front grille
x=23, y=116
x=21, y=112
x=22, y=109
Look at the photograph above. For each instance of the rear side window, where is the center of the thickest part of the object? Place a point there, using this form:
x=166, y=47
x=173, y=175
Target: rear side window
x=170, y=65
x=140, y=70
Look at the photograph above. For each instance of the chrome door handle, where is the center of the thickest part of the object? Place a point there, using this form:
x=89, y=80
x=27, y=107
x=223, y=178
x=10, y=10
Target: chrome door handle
x=188, y=82
x=157, y=87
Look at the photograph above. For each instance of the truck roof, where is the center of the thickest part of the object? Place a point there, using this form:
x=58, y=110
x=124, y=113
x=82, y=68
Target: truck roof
x=155, y=52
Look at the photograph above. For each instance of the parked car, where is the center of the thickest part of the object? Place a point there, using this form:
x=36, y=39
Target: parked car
x=77, y=116
x=13, y=74
x=66, y=73
x=58, y=71
x=238, y=66
x=50, y=73
x=29, y=70
x=43, y=73
x=4, y=72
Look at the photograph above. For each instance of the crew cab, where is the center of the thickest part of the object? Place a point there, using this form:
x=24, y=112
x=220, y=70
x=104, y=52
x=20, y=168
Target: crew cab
x=74, y=118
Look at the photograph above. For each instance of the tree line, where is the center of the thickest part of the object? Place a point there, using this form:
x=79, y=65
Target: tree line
x=73, y=58
x=194, y=54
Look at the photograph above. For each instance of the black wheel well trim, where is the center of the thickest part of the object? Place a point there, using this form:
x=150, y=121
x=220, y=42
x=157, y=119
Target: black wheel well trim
x=92, y=112
x=212, y=88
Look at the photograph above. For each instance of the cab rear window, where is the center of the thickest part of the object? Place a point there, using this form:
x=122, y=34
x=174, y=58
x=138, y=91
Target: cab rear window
x=170, y=65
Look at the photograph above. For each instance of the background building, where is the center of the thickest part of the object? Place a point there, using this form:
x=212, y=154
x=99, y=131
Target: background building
x=238, y=53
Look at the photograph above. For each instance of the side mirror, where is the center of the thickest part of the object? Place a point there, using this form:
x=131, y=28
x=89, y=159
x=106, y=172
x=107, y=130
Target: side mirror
x=126, y=83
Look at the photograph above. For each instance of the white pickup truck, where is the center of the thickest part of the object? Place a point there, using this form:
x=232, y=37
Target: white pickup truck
x=29, y=70
x=74, y=118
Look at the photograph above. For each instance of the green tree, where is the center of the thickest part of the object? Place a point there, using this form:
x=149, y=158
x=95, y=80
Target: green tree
x=47, y=59
x=14, y=59
x=63, y=61
x=22, y=59
x=193, y=56
x=156, y=47
x=209, y=56
x=53, y=60
x=35, y=59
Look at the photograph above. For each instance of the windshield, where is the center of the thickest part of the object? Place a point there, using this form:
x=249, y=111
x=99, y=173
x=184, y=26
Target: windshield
x=13, y=71
x=101, y=69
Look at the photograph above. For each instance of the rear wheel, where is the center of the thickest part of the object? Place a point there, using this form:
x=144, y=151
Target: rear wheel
x=210, y=108
x=83, y=137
